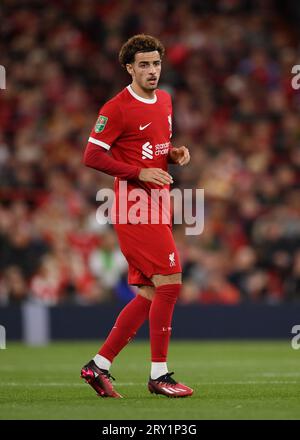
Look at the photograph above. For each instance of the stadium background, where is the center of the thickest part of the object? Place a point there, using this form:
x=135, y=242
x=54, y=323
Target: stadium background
x=228, y=68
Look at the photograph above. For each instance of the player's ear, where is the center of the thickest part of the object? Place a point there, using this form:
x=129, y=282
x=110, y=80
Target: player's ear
x=129, y=69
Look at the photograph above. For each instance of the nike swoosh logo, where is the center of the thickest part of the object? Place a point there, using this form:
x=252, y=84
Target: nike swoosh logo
x=145, y=126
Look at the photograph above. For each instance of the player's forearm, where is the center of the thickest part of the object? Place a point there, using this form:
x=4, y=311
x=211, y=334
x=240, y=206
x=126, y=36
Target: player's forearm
x=97, y=158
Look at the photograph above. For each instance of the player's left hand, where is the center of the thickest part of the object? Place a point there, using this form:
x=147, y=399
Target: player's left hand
x=180, y=155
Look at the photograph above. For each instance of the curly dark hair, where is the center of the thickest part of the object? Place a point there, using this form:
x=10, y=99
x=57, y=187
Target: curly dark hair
x=139, y=43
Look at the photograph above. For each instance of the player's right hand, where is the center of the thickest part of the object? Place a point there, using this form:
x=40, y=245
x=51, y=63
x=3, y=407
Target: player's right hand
x=155, y=175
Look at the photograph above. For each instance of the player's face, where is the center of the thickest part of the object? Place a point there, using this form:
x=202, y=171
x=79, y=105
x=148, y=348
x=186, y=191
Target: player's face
x=145, y=70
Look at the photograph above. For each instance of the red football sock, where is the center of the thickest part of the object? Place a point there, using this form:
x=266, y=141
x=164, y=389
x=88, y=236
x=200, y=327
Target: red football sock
x=160, y=319
x=128, y=322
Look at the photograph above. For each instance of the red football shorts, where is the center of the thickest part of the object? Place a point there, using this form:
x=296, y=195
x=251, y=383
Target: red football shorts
x=149, y=250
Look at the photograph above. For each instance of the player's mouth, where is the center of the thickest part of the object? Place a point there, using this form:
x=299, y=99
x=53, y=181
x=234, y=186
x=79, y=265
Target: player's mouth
x=152, y=80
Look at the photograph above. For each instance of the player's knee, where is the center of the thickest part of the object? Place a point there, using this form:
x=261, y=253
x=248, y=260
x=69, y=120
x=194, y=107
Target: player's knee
x=147, y=292
x=169, y=292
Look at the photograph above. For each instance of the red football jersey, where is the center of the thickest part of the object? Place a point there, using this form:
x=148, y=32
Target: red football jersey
x=137, y=131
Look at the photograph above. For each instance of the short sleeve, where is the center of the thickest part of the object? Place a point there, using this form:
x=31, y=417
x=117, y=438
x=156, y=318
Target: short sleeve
x=108, y=127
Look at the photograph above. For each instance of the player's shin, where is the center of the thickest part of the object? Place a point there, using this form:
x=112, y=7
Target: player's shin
x=127, y=324
x=160, y=319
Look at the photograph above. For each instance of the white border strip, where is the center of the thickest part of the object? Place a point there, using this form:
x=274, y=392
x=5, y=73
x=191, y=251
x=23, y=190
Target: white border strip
x=36, y=324
x=139, y=98
x=100, y=143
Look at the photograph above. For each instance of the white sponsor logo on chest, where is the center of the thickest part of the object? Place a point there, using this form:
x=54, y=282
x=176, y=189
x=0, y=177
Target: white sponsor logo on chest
x=148, y=151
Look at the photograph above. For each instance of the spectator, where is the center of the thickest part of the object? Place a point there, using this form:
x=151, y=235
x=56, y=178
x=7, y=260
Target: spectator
x=14, y=289
x=108, y=263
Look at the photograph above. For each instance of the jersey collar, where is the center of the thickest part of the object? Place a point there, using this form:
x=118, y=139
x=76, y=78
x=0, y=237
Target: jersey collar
x=139, y=98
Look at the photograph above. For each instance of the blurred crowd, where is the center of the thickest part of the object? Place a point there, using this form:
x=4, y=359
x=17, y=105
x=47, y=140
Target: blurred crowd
x=228, y=69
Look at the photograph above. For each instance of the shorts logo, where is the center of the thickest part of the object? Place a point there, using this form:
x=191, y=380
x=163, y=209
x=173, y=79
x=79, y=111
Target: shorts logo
x=100, y=124
x=147, y=152
x=172, y=259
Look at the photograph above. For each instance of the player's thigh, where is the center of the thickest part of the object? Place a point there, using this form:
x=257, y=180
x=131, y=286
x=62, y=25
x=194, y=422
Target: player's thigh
x=161, y=280
x=147, y=292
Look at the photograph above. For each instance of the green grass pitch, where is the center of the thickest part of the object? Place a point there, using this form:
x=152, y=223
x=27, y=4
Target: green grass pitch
x=231, y=380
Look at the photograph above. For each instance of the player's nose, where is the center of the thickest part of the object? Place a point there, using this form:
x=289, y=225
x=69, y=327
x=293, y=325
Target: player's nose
x=152, y=69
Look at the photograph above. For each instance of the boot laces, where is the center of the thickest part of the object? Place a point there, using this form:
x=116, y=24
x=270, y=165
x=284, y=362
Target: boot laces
x=107, y=374
x=166, y=378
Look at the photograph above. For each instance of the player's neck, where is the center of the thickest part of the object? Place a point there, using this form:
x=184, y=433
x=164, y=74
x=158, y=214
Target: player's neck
x=146, y=94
